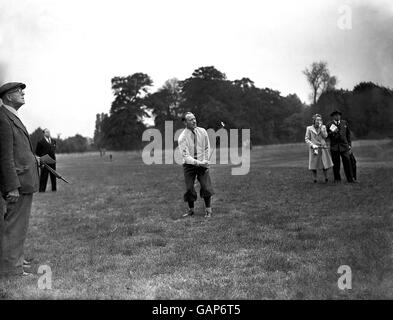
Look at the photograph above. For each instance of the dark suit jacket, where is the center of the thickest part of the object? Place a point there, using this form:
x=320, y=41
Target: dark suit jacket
x=43, y=148
x=341, y=139
x=18, y=164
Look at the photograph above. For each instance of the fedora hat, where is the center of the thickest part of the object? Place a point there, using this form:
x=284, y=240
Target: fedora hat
x=335, y=112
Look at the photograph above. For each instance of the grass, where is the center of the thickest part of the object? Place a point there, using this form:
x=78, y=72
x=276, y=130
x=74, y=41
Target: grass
x=116, y=231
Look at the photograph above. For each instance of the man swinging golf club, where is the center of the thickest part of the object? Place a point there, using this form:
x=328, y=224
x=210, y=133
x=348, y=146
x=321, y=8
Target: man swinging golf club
x=194, y=147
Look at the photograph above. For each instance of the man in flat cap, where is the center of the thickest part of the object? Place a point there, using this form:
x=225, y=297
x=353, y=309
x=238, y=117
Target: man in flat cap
x=18, y=180
x=194, y=147
x=340, y=146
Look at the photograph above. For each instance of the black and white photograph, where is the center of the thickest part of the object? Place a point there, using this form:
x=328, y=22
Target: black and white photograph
x=196, y=151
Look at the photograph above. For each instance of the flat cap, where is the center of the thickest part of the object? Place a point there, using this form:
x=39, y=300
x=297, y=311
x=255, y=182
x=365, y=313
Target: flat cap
x=335, y=112
x=10, y=86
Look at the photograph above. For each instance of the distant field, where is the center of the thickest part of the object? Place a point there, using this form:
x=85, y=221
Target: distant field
x=116, y=232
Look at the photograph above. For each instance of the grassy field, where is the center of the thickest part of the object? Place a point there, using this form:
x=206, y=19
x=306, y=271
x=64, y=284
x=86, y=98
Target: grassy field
x=116, y=232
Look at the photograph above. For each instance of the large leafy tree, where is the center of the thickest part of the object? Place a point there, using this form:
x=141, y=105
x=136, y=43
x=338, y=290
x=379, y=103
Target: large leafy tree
x=165, y=103
x=123, y=128
x=130, y=92
x=201, y=92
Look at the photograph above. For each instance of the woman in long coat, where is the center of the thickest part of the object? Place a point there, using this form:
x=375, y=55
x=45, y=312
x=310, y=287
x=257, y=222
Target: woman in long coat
x=318, y=156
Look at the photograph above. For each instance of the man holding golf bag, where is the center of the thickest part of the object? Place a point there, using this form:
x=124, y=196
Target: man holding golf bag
x=194, y=147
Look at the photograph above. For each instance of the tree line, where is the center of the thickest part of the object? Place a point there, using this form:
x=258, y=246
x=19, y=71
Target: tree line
x=368, y=108
x=214, y=99
x=272, y=117
x=207, y=93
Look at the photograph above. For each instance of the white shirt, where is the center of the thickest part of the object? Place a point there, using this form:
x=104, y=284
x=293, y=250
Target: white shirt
x=11, y=109
x=191, y=151
x=47, y=140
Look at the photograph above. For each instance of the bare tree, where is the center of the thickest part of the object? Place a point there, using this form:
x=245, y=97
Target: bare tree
x=319, y=78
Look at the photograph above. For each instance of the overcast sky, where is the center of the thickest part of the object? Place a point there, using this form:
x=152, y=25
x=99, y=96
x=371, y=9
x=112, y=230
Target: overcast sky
x=67, y=51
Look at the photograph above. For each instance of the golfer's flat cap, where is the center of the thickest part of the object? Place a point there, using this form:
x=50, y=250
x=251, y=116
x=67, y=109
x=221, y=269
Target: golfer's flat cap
x=335, y=112
x=10, y=86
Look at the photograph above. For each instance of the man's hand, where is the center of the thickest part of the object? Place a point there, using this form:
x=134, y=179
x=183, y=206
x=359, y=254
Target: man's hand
x=12, y=196
x=204, y=163
x=40, y=162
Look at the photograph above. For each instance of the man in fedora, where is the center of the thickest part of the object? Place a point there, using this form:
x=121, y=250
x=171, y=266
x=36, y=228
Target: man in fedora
x=340, y=146
x=18, y=180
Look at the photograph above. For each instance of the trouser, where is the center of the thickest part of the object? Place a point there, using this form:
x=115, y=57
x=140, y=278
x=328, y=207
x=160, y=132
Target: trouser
x=346, y=163
x=14, y=222
x=202, y=174
x=44, y=178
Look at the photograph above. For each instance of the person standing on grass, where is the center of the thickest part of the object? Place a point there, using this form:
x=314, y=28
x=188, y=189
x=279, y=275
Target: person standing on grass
x=318, y=155
x=18, y=180
x=194, y=147
x=47, y=146
x=340, y=146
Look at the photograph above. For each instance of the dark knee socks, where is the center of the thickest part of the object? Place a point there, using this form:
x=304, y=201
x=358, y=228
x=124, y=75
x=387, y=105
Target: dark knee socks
x=207, y=202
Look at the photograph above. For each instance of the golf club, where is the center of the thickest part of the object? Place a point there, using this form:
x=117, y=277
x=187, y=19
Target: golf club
x=214, y=146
